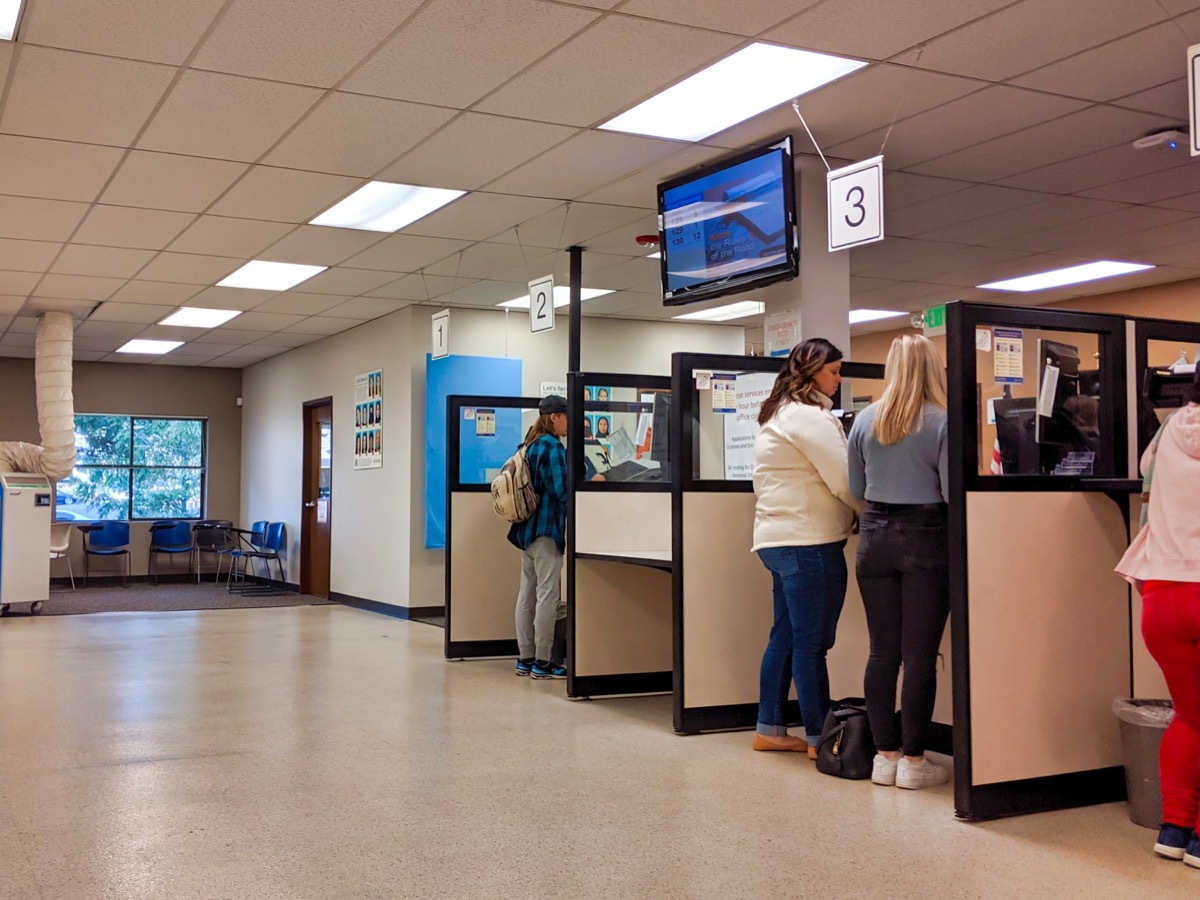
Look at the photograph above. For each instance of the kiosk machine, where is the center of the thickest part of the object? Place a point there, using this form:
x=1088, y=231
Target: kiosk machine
x=25, y=505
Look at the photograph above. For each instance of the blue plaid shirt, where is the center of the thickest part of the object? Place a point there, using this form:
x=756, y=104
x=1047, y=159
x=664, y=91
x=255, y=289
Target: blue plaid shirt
x=548, y=469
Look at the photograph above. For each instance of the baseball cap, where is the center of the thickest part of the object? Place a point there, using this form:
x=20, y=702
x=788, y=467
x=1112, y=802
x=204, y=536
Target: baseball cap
x=552, y=404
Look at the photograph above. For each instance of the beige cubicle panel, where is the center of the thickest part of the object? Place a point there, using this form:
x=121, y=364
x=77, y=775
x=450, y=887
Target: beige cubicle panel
x=1049, y=633
x=615, y=521
x=485, y=572
x=622, y=618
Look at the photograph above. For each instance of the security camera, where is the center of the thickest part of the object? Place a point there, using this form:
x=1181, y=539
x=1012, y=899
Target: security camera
x=1169, y=139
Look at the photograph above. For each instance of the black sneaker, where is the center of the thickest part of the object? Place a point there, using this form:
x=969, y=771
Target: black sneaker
x=1191, y=856
x=524, y=666
x=543, y=669
x=1172, y=841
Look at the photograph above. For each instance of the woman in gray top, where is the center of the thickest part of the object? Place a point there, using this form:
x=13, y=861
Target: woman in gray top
x=897, y=459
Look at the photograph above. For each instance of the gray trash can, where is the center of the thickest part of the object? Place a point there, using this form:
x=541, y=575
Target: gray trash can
x=1142, y=725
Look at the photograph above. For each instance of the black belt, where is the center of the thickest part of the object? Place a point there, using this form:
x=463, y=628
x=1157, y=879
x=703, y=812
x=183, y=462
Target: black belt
x=905, y=507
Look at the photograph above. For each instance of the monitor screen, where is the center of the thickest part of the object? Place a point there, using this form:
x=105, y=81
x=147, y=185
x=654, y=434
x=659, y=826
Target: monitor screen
x=730, y=227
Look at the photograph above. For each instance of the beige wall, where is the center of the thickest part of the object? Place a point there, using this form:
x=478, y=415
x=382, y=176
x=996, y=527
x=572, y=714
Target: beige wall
x=154, y=390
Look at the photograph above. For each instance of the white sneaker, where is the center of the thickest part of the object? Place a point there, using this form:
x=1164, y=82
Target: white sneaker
x=914, y=776
x=884, y=770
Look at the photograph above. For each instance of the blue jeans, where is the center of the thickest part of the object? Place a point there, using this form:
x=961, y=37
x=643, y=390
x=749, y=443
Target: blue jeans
x=809, y=585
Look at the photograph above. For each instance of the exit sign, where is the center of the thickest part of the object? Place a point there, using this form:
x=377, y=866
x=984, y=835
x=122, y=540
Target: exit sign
x=934, y=320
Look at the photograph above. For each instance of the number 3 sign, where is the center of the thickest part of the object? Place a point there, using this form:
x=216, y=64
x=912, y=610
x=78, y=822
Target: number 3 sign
x=855, y=204
x=541, y=305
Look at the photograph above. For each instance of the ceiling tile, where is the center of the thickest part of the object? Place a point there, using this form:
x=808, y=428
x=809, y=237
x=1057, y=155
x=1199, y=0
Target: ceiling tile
x=56, y=170
x=231, y=362
x=23, y=325
x=1187, y=201
x=123, y=226
x=167, y=181
x=748, y=17
x=186, y=268
x=28, y=219
x=111, y=262
x=902, y=189
x=286, y=339
x=78, y=307
x=155, y=293
x=1093, y=170
x=489, y=43
x=1035, y=216
x=353, y=135
x=1153, y=187
x=283, y=195
x=300, y=41
x=319, y=245
x=1029, y=35
x=261, y=321
x=223, y=116
x=196, y=353
x=135, y=29
x=132, y=313
x=27, y=256
x=230, y=334
x=622, y=241
x=1075, y=234
x=87, y=344
x=221, y=236
x=474, y=149
x=640, y=188
x=405, y=253
x=557, y=173
x=366, y=308
x=323, y=325
x=77, y=287
x=573, y=223
x=635, y=274
x=350, y=282
x=240, y=299
x=479, y=216
x=482, y=260
x=1168, y=99
x=962, y=206
x=488, y=293
x=18, y=283
x=613, y=65
x=419, y=287
x=300, y=304
x=77, y=97
x=883, y=254
x=1135, y=62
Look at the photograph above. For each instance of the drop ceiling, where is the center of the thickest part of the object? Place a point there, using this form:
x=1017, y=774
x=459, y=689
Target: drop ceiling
x=148, y=148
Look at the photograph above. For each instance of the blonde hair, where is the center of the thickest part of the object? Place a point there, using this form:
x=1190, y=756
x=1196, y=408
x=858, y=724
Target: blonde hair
x=914, y=376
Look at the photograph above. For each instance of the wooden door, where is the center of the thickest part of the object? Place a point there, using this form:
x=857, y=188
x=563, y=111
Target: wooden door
x=317, y=495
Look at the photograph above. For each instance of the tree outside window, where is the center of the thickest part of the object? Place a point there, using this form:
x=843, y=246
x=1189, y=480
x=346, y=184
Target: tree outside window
x=129, y=467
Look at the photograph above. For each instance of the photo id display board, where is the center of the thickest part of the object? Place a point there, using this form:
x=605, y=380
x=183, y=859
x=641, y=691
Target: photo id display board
x=368, y=420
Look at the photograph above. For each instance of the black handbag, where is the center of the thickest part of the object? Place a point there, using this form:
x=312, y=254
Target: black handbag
x=847, y=749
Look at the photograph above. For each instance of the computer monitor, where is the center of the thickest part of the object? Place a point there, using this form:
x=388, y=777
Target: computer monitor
x=1058, y=380
x=660, y=430
x=1019, y=451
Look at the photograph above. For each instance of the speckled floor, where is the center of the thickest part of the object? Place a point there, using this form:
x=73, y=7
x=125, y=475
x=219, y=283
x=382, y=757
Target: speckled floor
x=326, y=752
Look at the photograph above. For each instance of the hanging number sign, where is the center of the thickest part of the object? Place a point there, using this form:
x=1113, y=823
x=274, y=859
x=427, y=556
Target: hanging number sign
x=541, y=304
x=441, y=334
x=855, y=204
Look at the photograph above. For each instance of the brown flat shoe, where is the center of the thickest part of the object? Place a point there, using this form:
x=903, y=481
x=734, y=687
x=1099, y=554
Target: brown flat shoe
x=781, y=742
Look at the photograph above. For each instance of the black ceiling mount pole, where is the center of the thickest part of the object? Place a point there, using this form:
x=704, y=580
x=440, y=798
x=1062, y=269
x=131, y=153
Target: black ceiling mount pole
x=576, y=255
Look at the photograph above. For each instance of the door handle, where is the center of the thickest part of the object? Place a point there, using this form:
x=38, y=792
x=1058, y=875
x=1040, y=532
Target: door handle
x=311, y=504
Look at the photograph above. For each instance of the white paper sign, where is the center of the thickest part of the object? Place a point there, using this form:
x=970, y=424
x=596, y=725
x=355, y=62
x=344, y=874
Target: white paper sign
x=855, y=204
x=741, y=430
x=1009, y=356
x=322, y=511
x=441, y=334
x=782, y=332
x=1045, y=404
x=983, y=340
x=724, y=393
x=541, y=304
x=485, y=423
x=557, y=388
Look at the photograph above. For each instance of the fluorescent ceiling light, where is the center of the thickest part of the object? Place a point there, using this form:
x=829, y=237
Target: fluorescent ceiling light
x=562, y=297
x=10, y=11
x=150, y=348
x=858, y=316
x=381, y=206
x=1092, y=271
x=196, y=317
x=725, y=313
x=738, y=87
x=270, y=276
x=657, y=254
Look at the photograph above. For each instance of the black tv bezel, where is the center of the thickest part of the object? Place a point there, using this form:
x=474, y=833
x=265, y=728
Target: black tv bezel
x=736, y=284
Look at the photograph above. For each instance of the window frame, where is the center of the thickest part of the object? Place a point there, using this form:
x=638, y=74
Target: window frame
x=130, y=467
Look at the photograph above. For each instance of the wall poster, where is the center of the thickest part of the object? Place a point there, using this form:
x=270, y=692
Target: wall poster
x=368, y=420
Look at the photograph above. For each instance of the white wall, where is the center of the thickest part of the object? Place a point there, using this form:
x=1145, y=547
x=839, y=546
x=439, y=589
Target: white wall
x=378, y=516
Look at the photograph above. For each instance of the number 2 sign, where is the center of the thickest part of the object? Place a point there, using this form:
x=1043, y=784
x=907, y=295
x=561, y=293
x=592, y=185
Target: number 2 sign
x=541, y=305
x=855, y=204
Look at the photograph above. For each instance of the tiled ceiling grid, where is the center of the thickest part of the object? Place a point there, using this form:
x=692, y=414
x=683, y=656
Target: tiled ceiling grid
x=148, y=148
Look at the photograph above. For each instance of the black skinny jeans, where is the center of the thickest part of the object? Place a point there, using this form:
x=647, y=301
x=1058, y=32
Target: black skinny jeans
x=902, y=575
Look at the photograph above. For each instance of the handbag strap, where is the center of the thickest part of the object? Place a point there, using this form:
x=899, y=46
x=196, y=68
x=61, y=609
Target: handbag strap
x=1148, y=475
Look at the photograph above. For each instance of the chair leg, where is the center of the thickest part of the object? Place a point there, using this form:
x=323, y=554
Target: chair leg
x=70, y=571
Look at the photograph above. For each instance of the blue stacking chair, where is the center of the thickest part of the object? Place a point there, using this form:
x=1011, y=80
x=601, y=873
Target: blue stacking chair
x=105, y=539
x=269, y=544
x=172, y=537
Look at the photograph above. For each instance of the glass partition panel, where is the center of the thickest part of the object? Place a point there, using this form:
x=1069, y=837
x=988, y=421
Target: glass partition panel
x=626, y=433
x=487, y=437
x=1038, y=402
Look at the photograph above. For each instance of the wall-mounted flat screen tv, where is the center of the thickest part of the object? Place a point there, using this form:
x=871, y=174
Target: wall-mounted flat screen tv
x=729, y=227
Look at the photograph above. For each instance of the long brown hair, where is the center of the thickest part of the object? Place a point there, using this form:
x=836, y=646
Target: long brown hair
x=914, y=376
x=795, y=380
x=543, y=425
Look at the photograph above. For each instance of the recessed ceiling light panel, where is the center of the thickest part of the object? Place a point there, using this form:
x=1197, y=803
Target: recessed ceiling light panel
x=741, y=86
x=726, y=313
x=859, y=316
x=382, y=206
x=10, y=12
x=562, y=297
x=197, y=317
x=149, y=348
x=1093, y=271
x=261, y=275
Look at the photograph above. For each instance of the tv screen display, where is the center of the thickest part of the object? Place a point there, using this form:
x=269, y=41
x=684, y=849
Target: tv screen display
x=729, y=227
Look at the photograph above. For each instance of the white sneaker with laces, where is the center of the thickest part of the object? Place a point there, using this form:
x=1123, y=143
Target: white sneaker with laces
x=914, y=776
x=884, y=770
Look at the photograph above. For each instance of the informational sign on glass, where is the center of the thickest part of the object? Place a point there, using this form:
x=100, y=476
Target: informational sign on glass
x=368, y=420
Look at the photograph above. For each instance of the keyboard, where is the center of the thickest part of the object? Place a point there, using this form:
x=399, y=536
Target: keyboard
x=633, y=471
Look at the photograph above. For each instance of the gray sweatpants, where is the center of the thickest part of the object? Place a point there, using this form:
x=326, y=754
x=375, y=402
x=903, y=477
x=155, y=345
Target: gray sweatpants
x=539, y=601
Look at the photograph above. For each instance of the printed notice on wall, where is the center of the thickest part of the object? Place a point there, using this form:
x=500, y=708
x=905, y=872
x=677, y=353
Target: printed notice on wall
x=368, y=420
x=485, y=422
x=1009, y=355
x=724, y=393
x=740, y=430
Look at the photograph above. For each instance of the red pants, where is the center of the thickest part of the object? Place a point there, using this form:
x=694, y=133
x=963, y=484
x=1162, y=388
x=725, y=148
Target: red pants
x=1171, y=628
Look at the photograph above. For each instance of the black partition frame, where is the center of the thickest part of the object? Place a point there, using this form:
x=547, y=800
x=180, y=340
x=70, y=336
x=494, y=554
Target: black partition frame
x=455, y=404
x=1059, y=791
x=577, y=406
x=684, y=415
x=1144, y=331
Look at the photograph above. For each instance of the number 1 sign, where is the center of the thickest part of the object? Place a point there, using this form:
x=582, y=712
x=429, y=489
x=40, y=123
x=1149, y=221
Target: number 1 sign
x=855, y=204
x=541, y=305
